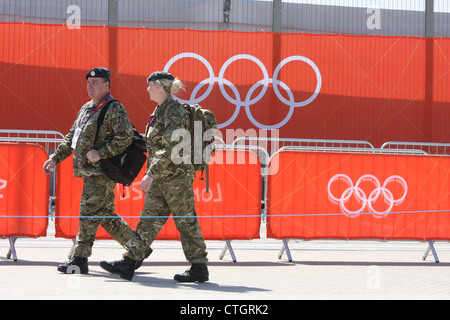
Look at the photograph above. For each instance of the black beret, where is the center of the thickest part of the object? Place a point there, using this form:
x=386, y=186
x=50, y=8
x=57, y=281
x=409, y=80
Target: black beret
x=98, y=73
x=160, y=75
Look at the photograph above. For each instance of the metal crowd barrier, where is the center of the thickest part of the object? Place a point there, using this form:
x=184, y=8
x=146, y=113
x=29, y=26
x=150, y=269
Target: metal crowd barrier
x=388, y=147
x=47, y=139
x=427, y=148
x=51, y=139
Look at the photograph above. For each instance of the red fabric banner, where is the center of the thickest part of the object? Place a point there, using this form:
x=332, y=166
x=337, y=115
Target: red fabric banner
x=24, y=191
x=230, y=211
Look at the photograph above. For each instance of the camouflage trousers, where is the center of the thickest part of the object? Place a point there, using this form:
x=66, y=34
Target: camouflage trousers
x=97, y=200
x=174, y=195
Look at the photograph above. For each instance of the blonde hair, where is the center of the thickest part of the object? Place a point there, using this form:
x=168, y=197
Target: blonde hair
x=170, y=86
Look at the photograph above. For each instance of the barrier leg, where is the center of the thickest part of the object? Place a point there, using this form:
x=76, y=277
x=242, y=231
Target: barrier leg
x=425, y=255
x=12, y=248
x=285, y=247
x=229, y=248
x=73, y=248
x=433, y=250
x=280, y=254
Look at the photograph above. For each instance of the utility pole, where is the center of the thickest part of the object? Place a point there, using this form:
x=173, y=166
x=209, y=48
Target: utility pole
x=429, y=64
x=112, y=37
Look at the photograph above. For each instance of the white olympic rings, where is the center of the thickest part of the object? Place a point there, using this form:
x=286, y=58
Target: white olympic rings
x=248, y=98
x=361, y=196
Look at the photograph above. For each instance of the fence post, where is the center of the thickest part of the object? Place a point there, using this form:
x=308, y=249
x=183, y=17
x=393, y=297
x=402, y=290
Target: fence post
x=429, y=18
x=276, y=16
x=226, y=14
x=112, y=36
x=429, y=43
x=276, y=42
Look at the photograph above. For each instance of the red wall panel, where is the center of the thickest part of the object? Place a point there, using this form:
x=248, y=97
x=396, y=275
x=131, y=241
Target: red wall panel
x=326, y=86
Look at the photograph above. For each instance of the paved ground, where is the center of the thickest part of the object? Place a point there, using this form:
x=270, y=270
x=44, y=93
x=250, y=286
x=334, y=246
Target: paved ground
x=326, y=269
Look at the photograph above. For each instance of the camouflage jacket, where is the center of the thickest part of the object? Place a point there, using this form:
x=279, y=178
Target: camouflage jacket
x=114, y=137
x=160, y=145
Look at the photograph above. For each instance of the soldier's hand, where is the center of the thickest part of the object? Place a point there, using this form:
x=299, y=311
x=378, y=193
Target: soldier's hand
x=145, y=183
x=93, y=156
x=48, y=165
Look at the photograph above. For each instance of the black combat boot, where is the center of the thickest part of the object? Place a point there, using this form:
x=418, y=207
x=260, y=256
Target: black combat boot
x=197, y=272
x=139, y=263
x=124, y=268
x=75, y=265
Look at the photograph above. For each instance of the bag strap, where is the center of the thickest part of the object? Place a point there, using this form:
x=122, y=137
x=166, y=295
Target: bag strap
x=172, y=104
x=101, y=117
x=189, y=109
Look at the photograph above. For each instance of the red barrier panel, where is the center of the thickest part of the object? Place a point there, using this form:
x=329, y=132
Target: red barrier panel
x=67, y=204
x=359, y=196
x=235, y=190
x=231, y=210
x=24, y=191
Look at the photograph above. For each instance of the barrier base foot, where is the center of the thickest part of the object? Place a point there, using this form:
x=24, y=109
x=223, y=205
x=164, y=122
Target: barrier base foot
x=432, y=249
x=284, y=248
x=12, y=249
x=229, y=248
x=74, y=240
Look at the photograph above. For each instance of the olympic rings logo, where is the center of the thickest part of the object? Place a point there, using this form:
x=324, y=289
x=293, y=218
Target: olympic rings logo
x=249, y=100
x=364, y=199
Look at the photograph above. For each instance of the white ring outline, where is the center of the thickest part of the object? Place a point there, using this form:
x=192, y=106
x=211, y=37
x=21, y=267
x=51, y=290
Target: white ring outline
x=247, y=57
x=278, y=125
x=235, y=91
x=207, y=65
x=276, y=81
x=361, y=196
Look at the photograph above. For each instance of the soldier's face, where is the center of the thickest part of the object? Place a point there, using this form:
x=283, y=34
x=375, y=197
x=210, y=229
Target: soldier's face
x=152, y=90
x=97, y=88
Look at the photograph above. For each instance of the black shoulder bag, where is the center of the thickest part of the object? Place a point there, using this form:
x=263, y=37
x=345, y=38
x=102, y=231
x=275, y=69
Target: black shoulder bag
x=124, y=167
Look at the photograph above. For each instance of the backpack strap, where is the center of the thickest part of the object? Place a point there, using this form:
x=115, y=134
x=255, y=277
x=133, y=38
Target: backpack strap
x=172, y=104
x=189, y=109
x=101, y=117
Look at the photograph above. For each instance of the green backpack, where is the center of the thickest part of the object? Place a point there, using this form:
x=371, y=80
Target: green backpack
x=203, y=125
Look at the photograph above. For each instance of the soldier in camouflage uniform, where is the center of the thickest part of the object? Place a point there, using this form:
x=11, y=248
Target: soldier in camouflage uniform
x=168, y=187
x=97, y=198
